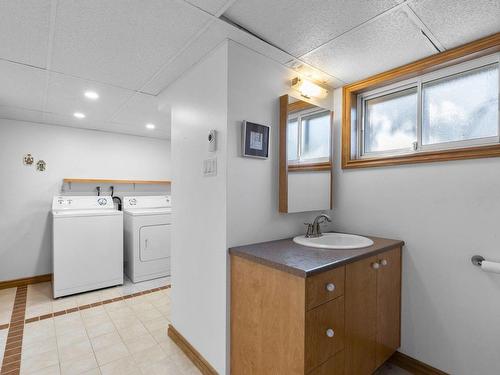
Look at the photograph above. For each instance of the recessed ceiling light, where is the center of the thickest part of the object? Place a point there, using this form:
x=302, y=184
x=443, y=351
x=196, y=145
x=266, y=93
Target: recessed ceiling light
x=91, y=95
x=79, y=115
x=150, y=126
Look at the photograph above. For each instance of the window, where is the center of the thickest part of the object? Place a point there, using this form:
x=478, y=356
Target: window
x=306, y=134
x=443, y=107
x=453, y=107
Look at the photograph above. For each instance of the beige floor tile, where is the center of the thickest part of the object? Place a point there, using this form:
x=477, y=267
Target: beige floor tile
x=152, y=314
x=39, y=331
x=170, y=348
x=96, y=319
x=39, y=362
x=125, y=366
x=161, y=367
x=126, y=321
x=105, y=341
x=70, y=337
x=100, y=329
x=79, y=349
x=182, y=361
x=93, y=312
x=51, y=370
x=160, y=334
x=79, y=365
x=149, y=355
x=115, y=306
x=193, y=371
x=155, y=324
x=95, y=371
x=111, y=353
x=137, y=344
x=36, y=348
x=64, y=303
x=88, y=298
x=69, y=322
x=134, y=330
x=39, y=309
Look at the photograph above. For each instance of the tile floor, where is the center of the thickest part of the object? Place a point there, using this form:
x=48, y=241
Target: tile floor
x=123, y=337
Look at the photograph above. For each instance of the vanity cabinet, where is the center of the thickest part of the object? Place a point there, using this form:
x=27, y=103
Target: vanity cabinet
x=372, y=307
x=343, y=320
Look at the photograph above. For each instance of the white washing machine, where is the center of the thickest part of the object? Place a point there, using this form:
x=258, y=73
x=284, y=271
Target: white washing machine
x=147, y=227
x=87, y=244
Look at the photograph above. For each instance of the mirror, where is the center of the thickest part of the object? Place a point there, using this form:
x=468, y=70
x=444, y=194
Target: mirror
x=305, y=175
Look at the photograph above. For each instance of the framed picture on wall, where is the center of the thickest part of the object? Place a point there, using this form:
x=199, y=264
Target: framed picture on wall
x=255, y=140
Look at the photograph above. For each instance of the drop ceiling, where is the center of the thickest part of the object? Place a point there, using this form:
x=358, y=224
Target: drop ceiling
x=52, y=51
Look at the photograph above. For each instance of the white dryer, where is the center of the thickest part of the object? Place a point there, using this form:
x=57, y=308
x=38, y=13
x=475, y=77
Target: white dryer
x=147, y=227
x=87, y=244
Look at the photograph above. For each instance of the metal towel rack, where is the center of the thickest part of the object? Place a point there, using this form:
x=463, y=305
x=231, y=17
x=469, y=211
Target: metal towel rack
x=477, y=260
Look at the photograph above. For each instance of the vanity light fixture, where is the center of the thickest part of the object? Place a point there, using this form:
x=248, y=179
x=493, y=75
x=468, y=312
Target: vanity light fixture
x=92, y=95
x=308, y=89
x=79, y=115
x=150, y=126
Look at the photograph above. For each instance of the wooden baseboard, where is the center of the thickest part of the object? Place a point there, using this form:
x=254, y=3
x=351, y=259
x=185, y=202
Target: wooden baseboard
x=413, y=365
x=25, y=281
x=195, y=357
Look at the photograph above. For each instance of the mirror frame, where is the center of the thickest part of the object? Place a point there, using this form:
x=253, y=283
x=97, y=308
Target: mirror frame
x=283, y=161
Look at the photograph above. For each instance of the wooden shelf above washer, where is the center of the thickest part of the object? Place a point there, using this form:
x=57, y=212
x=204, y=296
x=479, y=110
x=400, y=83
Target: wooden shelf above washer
x=105, y=180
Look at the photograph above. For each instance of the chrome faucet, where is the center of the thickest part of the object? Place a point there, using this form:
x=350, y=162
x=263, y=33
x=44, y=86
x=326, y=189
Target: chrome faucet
x=314, y=229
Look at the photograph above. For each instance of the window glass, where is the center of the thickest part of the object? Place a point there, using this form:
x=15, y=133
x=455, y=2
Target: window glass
x=391, y=121
x=315, y=137
x=292, y=139
x=461, y=107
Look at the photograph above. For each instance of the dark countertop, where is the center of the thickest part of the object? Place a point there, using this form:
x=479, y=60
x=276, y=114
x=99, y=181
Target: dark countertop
x=304, y=261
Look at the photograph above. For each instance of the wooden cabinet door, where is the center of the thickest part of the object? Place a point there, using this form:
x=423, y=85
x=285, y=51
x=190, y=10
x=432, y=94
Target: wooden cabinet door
x=361, y=316
x=388, y=304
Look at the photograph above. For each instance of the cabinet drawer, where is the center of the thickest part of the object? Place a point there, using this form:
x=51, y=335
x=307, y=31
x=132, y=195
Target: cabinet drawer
x=324, y=287
x=324, y=332
x=333, y=366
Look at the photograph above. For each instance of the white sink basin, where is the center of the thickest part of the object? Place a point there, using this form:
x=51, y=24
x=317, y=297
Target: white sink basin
x=334, y=241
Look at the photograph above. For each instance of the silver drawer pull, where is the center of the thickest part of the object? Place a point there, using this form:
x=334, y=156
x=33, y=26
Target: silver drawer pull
x=330, y=332
x=383, y=262
x=330, y=287
x=376, y=265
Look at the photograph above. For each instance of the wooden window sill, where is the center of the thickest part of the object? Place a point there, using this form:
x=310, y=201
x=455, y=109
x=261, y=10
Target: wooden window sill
x=314, y=167
x=470, y=51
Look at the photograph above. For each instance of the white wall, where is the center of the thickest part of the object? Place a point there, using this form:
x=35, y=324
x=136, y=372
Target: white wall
x=255, y=85
x=198, y=102
x=445, y=212
x=239, y=205
x=26, y=194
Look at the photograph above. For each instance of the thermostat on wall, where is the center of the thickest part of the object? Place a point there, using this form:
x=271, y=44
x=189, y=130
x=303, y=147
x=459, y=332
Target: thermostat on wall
x=212, y=141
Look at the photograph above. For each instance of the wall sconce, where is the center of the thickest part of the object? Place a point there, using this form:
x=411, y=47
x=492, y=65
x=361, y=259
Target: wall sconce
x=309, y=89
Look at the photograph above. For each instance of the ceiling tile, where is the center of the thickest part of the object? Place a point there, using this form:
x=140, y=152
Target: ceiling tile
x=65, y=95
x=22, y=86
x=300, y=26
x=456, y=22
x=123, y=44
x=20, y=114
x=69, y=121
x=24, y=31
x=210, y=6
x=140, y=110
x=216, y=33
x=387, y=42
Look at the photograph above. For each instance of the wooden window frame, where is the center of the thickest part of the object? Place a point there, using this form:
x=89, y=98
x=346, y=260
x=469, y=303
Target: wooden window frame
x=467, y=52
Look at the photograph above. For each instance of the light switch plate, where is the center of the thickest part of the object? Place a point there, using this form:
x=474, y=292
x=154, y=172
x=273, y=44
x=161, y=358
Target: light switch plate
x=210, y=167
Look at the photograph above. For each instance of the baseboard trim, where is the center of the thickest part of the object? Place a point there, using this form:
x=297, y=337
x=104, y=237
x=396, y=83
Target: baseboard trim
x=25, y=281
x=195, y=357
x=414, y=365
